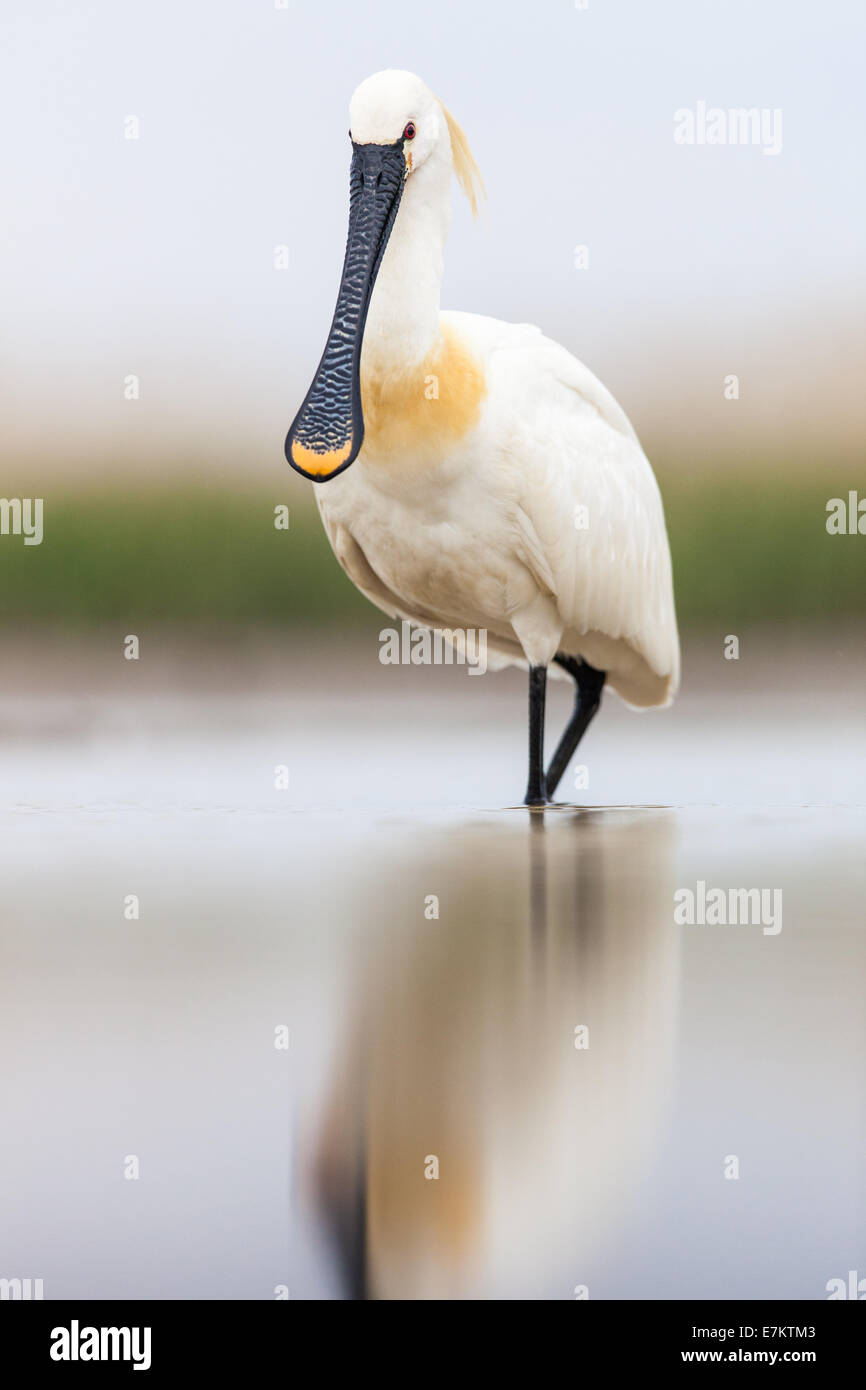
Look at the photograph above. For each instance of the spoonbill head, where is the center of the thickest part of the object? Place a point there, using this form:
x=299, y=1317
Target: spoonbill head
x=497, y=486
x=398, y=130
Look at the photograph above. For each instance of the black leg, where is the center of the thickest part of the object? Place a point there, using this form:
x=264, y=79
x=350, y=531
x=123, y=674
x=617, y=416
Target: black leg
x=536, y=790
x=586, y=701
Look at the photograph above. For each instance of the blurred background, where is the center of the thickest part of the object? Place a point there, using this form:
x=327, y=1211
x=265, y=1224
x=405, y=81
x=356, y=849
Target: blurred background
x=156, y=257
x=175, y=180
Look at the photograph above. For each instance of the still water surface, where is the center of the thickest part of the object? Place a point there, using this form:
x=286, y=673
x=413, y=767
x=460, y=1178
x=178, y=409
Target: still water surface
x=417, y=1039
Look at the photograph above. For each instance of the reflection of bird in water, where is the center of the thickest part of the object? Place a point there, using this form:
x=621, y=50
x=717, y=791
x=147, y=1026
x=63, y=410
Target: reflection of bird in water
x=498, y=485
x=462, y=1054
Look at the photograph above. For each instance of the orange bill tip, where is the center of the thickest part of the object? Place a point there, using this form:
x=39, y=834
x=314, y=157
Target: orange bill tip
x=319, y=465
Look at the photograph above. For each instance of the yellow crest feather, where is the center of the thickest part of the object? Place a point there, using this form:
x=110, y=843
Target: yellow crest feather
x=467, y=173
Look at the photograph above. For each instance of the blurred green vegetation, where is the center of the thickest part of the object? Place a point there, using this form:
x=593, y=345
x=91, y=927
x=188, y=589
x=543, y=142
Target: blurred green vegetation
x=746, y=548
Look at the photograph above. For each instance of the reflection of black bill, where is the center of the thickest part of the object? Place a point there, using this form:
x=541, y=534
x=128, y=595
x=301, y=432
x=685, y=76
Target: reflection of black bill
x=328, y=430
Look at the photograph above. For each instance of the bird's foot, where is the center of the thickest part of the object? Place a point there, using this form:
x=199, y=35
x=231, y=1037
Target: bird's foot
x=536, y=796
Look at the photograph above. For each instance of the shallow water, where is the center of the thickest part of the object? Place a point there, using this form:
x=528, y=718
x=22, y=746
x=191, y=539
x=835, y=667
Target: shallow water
x=712, y=1049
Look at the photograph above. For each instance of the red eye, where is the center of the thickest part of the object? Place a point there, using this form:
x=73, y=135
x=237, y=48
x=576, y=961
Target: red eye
x=409, y=132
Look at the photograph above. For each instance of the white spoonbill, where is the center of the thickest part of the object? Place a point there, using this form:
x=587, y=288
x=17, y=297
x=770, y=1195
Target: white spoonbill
x=496, y=485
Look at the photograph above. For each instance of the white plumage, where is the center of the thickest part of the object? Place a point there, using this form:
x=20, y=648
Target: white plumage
x=492, y=535
x=499, y=485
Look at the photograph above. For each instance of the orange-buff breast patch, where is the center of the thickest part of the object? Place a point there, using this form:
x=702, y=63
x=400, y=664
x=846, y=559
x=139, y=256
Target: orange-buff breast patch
x=424, y=408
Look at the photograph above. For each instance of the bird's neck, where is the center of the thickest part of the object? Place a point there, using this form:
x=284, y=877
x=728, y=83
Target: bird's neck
x=403, y=320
